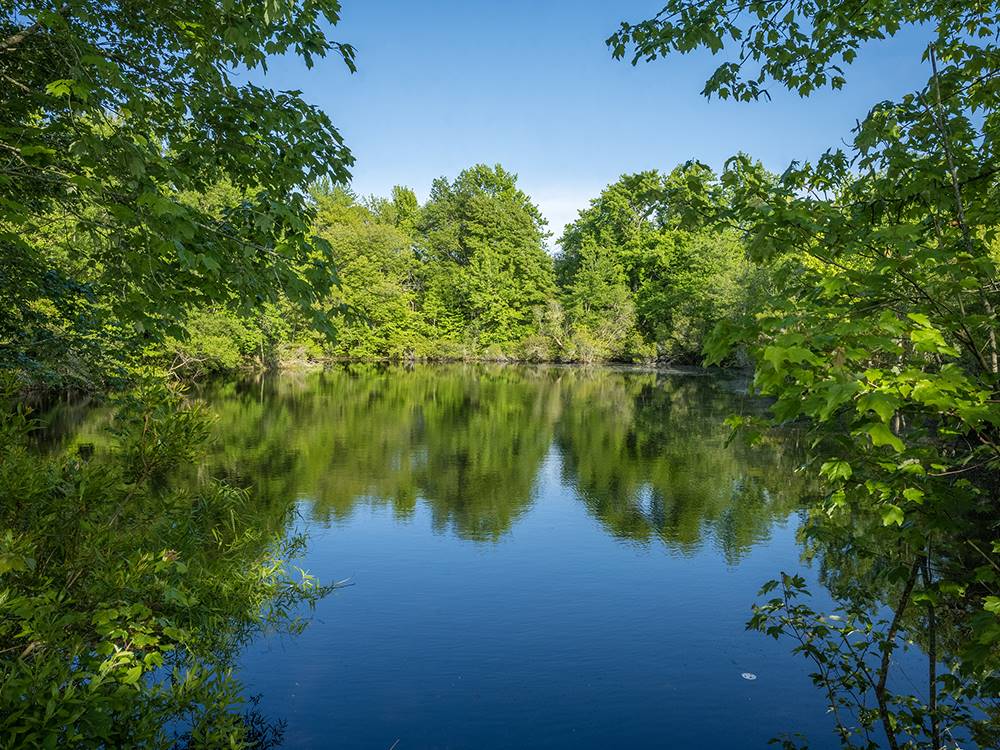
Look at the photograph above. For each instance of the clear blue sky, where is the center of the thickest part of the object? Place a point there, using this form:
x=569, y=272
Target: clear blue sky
x=444, y=84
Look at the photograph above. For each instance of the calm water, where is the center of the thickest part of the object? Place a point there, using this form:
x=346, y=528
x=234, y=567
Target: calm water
x=540, y=558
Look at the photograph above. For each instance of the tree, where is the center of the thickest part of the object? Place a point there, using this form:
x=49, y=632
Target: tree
x=101, y=139
x=699, y=279
x=402, y=209
x=598, y=302
x=488, y=237
x=143, y=193
x=882, y=338
x=376, y=266
x=645, y=237
x=622, y=219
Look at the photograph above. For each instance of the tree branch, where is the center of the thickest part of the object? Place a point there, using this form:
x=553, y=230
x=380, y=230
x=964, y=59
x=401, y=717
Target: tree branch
x=887, y=649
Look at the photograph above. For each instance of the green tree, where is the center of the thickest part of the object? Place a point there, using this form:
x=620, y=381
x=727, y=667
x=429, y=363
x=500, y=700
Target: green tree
x=695, y=280
x=882, y=339
x=598, y=301
x=376, y=265
x=646, y=236
x=102, y=140
x=145, y=194
x=487, y=237
x=402, y=209
x=621, y=220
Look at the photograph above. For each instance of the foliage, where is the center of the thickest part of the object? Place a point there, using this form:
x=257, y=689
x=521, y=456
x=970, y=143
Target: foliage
x=124, y=594
x=151, y=210
x=882, y=336
x=467, y=276
x=216, y=341
x=642, y=272
x=852, y=650
x=487, y=236
x=103, y=145
x=376, y=261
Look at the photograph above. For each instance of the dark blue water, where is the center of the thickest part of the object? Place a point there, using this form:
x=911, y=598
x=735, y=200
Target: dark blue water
x=539, y=559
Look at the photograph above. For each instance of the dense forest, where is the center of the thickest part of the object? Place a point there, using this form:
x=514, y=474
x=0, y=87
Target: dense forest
x=467, y=275
x=162, y=218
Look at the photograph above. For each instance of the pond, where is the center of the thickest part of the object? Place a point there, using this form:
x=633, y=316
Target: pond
x=540, y=557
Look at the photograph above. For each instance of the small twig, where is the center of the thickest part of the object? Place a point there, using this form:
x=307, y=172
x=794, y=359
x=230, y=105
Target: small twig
x=887, y=649
x=931, y=656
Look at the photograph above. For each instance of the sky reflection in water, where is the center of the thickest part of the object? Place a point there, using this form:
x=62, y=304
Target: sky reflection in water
x=541, y=557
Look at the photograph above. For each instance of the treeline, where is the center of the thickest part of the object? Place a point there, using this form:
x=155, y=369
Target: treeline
x=466, y=275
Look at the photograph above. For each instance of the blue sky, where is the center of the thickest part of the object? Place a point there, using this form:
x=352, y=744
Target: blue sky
x=444, y=84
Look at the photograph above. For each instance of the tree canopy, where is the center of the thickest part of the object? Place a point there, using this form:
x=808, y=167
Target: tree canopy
x=645, y=275
x=112, y=117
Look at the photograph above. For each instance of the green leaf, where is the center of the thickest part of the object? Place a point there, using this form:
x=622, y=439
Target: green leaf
x=882, y=403
x=931, y=340
x=10, y=562
x=132, y=675
x=892, y=514
x=60, y=87
x=837, y=394
x=836, y=470
x=882, y=435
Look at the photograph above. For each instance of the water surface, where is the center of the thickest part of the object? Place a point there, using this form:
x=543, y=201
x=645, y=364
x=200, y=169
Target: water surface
x=540, y=558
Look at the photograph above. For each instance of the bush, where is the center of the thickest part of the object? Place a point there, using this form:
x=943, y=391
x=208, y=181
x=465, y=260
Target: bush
x=217, y=342
x=125, y=597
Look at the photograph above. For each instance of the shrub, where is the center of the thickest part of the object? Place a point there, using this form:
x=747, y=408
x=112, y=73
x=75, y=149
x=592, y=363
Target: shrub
x=125, y=596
